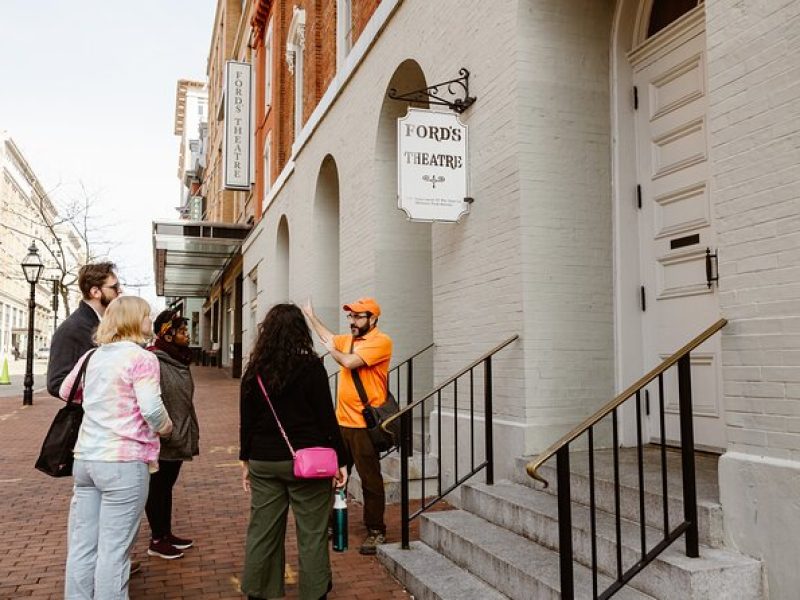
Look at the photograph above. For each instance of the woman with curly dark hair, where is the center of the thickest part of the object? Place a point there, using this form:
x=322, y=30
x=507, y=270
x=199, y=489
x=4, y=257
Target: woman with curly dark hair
x=297, y=385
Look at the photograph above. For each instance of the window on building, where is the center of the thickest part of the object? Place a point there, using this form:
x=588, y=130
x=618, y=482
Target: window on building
x=666, y=12
x=267, y=164
x=344, y=31
x=295, y=47
x=195, y=329
x=268, y=59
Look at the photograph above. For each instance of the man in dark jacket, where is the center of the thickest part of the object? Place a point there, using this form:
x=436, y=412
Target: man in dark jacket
x=99, y=286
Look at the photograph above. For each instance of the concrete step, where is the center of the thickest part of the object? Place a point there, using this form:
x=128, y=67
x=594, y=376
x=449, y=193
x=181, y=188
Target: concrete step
x=391, y=466
x=710, y=522
x=534, y=515
x=430, y=576
x=508, y=562
x=391, y=487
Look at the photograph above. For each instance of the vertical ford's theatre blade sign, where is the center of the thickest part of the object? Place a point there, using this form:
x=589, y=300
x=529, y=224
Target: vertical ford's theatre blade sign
x=432, y=175
x=236, y=151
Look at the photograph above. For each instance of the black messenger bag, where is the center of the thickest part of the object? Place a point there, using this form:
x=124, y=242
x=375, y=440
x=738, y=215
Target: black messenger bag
x=55, y=457
x=374, y=416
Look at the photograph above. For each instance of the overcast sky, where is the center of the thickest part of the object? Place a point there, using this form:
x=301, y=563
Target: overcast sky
x=87, y=91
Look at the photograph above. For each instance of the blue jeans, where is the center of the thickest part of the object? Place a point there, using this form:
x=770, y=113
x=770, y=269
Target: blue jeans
x=104, y=515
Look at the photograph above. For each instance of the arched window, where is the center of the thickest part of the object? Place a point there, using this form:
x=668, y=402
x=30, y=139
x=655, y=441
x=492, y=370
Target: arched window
x=665, y=12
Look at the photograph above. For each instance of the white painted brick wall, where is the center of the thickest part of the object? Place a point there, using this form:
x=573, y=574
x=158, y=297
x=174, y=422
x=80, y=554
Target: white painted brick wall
x=564, y=156
x=754, y=124
x=534, y=255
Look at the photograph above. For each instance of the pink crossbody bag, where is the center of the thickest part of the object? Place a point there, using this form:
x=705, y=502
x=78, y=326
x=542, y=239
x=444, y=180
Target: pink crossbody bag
x=309, y=463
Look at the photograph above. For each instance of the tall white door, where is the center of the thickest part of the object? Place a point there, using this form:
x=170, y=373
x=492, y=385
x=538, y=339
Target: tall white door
x=676, y=224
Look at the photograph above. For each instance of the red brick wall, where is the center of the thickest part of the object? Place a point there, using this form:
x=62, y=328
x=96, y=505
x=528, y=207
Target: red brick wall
x=326, y=48
x=319, y=69
x=282, y=142
x=362, y=12
x=312, y=57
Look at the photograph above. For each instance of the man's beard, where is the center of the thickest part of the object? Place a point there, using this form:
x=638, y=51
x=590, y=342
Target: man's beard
x=104, y=302
x=359, y=331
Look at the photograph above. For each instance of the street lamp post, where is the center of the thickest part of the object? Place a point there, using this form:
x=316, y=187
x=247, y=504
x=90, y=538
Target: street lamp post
x=32, y=267
x=55, y=304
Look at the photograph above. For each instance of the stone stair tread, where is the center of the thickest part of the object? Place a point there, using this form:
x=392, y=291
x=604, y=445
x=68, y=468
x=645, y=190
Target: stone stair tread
x=545, y=504
x=705, y=466
x=429, y=575
x=519, y=553
x=391, y=487
x=711, y=527
x=391, y=466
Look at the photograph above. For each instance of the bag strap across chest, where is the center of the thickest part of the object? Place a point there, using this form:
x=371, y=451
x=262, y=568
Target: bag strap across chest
x=274, y=414
x=362, y=393
x=80, y=379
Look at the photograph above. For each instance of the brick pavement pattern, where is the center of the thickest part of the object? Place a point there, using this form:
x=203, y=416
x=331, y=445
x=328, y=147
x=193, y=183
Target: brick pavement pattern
x=209, y=507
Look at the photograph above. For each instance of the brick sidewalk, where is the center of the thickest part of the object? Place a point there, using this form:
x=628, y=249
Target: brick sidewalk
x=210, y=507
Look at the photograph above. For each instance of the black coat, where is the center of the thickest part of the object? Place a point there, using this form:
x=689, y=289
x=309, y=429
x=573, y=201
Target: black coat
x=71, y=341
x=177, y=390
x=305, y=408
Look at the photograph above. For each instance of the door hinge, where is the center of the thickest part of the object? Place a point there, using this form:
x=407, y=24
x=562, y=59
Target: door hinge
x=635, y=98
x=646, y=402
x=643, y=298
x=639, y=195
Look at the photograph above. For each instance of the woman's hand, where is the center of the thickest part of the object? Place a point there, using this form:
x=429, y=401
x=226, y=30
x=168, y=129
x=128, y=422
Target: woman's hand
x=340, y=479
x=166, y=430
x=308, y=308
x=245, y=477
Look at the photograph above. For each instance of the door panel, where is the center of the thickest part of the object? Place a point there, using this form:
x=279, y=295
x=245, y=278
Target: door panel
x=676, y=227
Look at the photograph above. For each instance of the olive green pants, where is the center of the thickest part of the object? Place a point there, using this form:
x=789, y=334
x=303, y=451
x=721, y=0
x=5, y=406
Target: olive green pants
x=274, y=488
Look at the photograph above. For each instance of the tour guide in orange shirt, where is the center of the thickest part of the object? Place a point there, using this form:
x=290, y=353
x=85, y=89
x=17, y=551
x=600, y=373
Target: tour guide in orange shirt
x=369, y=350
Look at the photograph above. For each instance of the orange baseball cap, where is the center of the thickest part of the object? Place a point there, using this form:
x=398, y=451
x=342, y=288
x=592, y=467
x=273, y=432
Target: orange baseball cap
x=364, y=305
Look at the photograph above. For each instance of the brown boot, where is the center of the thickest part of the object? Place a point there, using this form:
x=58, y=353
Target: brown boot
x=374, y=538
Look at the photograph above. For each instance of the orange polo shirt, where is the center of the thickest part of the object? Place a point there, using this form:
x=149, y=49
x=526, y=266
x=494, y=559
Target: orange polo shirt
x=375, y=349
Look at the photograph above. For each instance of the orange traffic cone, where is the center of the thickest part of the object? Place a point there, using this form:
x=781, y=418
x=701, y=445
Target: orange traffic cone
x=4, y=378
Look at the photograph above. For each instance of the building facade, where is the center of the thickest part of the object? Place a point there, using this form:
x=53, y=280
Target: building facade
x=191, y=124
x=28, y=215
x=633, y=169
x=197, y=261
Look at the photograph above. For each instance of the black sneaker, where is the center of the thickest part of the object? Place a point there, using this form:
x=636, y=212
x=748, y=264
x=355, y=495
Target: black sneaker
x=372, y=541
x=179, y=543
x=163, y=549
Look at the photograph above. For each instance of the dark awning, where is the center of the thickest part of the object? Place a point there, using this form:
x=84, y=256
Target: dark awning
x=190, y=255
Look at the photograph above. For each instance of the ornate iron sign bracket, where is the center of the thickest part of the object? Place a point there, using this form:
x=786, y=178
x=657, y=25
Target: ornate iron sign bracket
x=431, y=94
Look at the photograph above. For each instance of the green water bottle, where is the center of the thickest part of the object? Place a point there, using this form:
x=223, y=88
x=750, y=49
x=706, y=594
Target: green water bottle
x=340, y=522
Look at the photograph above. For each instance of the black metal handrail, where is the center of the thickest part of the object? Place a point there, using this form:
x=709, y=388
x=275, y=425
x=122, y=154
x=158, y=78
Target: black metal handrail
x=561, y=450
x=406, y=437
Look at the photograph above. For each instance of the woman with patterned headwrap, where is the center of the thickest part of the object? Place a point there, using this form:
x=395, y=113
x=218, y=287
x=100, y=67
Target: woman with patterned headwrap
x=171, y=346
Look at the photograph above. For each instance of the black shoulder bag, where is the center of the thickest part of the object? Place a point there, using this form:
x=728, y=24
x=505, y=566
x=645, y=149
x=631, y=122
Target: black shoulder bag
x=374, y=416
x=55, y=457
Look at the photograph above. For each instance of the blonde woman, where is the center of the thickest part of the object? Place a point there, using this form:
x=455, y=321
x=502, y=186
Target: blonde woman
x=117, y=446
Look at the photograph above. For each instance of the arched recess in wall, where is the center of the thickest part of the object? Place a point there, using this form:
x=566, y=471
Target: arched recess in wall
x=404, y=260
x=325, y=284
x=281, y=290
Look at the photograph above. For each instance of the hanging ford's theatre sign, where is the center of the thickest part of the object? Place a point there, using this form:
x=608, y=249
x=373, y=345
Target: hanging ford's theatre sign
x=432, y=175
x=236, y=150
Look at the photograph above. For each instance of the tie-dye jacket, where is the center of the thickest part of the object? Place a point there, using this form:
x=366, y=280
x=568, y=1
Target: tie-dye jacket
x=123, y=411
